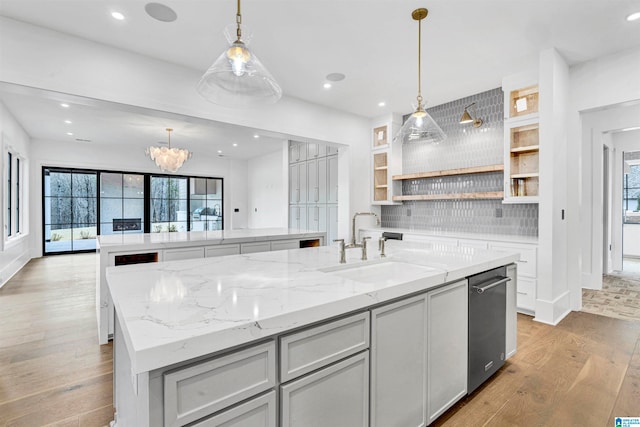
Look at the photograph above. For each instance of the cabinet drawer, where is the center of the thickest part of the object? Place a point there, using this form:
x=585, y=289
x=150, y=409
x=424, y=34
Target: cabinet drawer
x=526, y=294
x=196, y=391
x=179, y=254
x=313, y=348
x=528, y=264
x=221, y=250
x=258, y=412
x=249, y=248
x=334, y=396
x=280, y=245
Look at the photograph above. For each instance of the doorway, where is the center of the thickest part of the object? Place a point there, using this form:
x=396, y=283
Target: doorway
x=631, y=212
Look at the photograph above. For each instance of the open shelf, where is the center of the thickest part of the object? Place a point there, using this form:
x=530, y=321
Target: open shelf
x=450, y=172
x=454, y=196
x=525, y=175
x=526, y=149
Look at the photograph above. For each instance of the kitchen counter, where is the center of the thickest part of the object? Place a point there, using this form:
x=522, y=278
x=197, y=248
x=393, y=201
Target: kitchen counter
x=195, y=337
x=176, y=311
x=122, y=249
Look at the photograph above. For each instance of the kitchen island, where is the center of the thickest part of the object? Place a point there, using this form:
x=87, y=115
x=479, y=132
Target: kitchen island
x=278, y=338
x=123, y=249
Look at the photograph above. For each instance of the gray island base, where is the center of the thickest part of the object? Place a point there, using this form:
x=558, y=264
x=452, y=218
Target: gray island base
x=293, y=338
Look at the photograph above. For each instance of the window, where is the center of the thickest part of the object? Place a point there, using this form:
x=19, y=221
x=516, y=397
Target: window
x=17, y=195
x=205, y=204
x=9, y=185
x=80, y=204
x=631, y=195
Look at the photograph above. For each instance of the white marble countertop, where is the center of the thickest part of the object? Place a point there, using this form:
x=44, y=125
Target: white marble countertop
x=457, y=235
x=126, y=242
x=175, y=311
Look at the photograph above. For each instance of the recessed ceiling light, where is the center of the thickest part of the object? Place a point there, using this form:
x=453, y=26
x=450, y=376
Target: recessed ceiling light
x=160, y=12
x=381, y=104
x=219, y=151
x=335, y=77
x=117, y=15
x=235, y=145
x=70, y=133
x=256, y=136
x=68, y=122
x=327, y=85
x=64, y=105
x=633, y=16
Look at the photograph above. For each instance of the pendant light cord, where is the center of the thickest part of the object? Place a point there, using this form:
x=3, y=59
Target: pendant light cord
x=238, y=23
x=419, y=50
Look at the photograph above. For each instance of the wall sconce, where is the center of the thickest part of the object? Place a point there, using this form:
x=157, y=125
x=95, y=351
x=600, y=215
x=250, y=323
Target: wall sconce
x=466, y=117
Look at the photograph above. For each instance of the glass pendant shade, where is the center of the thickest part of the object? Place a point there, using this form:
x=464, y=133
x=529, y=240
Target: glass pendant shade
x=238, y=78
x=420, y=127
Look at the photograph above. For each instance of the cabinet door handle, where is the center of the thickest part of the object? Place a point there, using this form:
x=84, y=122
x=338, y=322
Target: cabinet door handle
x=523, y=261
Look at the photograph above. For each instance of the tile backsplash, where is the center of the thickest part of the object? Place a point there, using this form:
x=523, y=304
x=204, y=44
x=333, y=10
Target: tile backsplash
x=465, y=146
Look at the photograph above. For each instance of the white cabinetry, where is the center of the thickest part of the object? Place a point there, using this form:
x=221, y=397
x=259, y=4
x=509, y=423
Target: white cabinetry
x=399, y=364
x=336, y=396
x=527, y=274
x=447, y=328
x=221, y=250
x=521, y=139
x=180, y=254
x=250, y=248
x=511, y=337
x=386, y=160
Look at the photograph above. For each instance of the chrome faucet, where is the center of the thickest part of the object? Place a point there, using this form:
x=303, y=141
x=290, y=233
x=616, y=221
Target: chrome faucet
x=381, y=246
x=353, y=243
x=364, y=248
x=343, y=259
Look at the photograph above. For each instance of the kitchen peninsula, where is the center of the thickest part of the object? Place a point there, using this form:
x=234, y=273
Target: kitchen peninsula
x=282, y=338
x=123, y=249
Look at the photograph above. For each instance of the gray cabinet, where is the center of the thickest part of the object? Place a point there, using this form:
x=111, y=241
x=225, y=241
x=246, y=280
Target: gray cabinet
x=250, y=248
x=399, y=364
x=221, y=250
x=313, y=185
x=313, y=348
x=258, y=412
x=182, y=253
x=336, y=396
x=447, y=345
x=201, y=389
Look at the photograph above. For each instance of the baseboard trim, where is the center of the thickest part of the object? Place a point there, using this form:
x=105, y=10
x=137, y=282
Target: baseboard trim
x=552, y=312
x=13, y=267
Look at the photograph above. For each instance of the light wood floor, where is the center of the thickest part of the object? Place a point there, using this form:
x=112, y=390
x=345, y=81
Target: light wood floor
x=582, y=372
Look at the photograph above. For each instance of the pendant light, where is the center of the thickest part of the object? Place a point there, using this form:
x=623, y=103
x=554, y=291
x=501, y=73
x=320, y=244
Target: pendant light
x=168, y=159
x=238, y=78
x=420, y=126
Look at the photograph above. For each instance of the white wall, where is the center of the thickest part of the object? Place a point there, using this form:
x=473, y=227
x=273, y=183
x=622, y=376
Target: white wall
x=103, y=157
x=267, y=190
x=596, y=87
x=14, y=253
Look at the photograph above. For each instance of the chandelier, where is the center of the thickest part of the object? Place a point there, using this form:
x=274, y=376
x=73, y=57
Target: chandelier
x=238, y=78
x=168, y=159
x=420, y=126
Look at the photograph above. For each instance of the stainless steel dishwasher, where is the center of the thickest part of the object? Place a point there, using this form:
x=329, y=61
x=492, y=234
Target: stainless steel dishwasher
x=487, y=323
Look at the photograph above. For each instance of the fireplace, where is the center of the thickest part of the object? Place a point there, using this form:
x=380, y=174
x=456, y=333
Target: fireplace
x=127, y=224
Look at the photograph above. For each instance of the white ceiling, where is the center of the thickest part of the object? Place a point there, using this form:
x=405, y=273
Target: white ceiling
x=468, y=45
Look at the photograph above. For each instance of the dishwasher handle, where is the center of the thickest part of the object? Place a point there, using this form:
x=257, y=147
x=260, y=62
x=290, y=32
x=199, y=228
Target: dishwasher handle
x=482, y=287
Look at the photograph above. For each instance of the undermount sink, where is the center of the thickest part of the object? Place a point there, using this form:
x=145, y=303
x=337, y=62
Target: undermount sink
x=383, y=271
